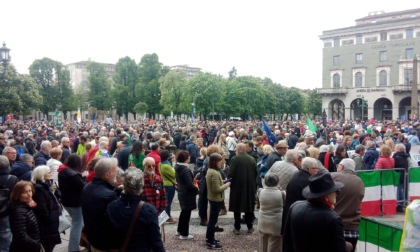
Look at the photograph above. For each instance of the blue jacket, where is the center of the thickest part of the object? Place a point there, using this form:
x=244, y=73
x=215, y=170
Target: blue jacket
x=95, y=199
x=41, y=158
x=21, y=170
x=370, y=158
x=146, y=233
x=193, y=150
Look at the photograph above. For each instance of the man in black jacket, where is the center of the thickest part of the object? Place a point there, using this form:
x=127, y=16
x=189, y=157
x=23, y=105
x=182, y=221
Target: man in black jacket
x=277, y=154
x=7, y=182
x=401, y=159
x=95, y=198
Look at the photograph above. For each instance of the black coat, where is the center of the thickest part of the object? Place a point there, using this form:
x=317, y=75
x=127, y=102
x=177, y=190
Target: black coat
x=187, y=192
x=243, y=171
x=294, y=192
x=71, y=187
x=24, y=227
x=66, y=153
x=146, y=235
x=401, y=161
x=95, y=199
x=313, y=226
x=123, y=157
x=272, y=158
x=8, y=182
x=177, y=139
x=47, y=212
x=30, y=146
x=21, y=170
x=41, y=158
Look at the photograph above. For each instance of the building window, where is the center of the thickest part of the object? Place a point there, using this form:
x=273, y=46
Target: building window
x=409, y=53
x=384, y=36
x=382, y=56
x=408, y=76
x=336, y=42
x=336, y=80
x=359, y=58
x=336, y=60
x=358, y=79
x=383, y=78
x=359, y=39
x=409, y=33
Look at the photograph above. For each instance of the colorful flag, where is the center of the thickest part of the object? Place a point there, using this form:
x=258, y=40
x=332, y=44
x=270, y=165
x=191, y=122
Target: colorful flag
x=390, y=181
x=414, y=186
x=311, y=126
x=270, y=136
x=374, y=236
x=371, y=203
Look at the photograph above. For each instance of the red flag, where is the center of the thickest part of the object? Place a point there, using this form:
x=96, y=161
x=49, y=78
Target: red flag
x=150, y=121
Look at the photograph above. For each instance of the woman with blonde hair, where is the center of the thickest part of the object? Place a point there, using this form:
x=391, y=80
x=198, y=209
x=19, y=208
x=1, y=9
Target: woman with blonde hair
x=223, y=145
x=54, y=162
x=385, y=161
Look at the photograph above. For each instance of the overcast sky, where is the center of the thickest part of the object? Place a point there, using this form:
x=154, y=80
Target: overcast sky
x=274, y=39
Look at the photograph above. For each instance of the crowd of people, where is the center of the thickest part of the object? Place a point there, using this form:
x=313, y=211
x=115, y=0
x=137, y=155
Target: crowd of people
x=102, y=174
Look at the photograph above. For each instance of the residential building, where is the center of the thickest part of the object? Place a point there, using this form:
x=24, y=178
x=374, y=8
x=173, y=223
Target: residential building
x=190, y=71
x=368, y=68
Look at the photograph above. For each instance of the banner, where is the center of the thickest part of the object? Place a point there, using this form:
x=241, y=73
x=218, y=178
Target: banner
x=410, y=241
x=414, y=183
x=371, y=203
x=270, y=136
x=390, y=181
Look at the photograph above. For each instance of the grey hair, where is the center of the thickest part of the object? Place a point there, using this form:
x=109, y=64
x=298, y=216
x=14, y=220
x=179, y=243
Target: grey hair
x=39, y=172
x=64, y=139
x=103, y=144
x=271, y=179
x=193, y=137
x=370, y=143
x=359, y=148
x=147, y=160
x=309, y=162
x=400, y=147
x=7, y=149
x=104, y=165
x=324, y=148
x=241, y=148
x=156, y=135
x=104, y=139
x=133, y=181
x=45, y=145
x=302, y=154
x=348, y=164
x=120, y=172
x=25, y=158
x=291, y=155
x=4, y=162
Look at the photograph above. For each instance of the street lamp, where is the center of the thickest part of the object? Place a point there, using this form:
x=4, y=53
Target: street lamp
x=362, y=102
x=4, y=55
x=193, y=112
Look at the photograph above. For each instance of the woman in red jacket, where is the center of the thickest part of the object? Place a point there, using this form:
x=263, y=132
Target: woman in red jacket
x=385, y=161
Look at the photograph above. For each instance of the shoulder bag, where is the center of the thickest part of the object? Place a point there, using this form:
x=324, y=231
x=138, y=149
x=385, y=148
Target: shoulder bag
x=132, y=224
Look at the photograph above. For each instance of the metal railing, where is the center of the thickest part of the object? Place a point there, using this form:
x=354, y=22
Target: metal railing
x=378, y=236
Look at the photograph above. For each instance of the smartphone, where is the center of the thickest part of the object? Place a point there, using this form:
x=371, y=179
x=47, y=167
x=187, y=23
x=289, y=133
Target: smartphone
x=228, y=180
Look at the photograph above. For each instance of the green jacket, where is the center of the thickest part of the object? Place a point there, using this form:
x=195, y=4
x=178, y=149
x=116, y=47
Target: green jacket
x=215, y=186
x=167, y=172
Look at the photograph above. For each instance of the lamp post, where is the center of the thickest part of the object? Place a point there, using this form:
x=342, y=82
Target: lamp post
x=362, y=102
x=193, y=112
x=4, y=55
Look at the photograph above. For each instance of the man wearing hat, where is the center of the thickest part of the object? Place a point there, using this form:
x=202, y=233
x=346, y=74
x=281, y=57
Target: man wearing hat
x=313, y=225
x=349, y=199
x=278, y=154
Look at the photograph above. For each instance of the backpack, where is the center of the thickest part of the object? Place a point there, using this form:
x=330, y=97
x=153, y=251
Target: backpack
x=4, y=197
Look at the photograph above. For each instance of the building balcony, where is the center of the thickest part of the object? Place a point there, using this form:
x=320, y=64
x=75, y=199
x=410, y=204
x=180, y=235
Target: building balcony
x=332, y=91
x=403, y=88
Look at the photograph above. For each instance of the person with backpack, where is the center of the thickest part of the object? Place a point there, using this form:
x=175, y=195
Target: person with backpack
x=7, y=182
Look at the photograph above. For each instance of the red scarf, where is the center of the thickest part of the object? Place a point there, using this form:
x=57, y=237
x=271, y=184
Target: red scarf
x=329, y=204
x=327, y=160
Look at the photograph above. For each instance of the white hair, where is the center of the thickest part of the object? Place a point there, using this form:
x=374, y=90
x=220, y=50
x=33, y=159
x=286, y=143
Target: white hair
x=39, y=173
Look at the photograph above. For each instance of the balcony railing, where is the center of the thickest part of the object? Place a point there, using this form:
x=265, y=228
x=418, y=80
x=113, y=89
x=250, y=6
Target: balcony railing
x=403, y=88
x=332, y=91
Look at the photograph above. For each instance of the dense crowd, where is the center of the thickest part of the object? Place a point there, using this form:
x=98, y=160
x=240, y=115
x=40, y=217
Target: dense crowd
x=115, y=178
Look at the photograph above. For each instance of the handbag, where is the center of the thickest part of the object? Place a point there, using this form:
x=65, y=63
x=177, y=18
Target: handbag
x=132, y=224
x=63, y=223
x=170, y=180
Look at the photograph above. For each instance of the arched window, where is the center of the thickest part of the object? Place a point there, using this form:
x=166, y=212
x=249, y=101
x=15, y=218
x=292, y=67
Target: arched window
x=358, y=79
x=383, y=81
x=336, y=80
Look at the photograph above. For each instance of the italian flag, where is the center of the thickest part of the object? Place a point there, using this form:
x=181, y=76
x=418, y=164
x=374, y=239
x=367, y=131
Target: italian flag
x=371, y=203
x=375, y=236
x=414, y=186
x=390, y=181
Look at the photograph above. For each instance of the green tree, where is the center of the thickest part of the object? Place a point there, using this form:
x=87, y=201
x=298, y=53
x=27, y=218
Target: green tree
x=99, y=87
x=294, y=101
x=150, y=71
x=250, y=96
x=140, y=108
x=126, y=85
x=314, y=103
x=20, y=93
x=54, y=80
x=172, y=86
